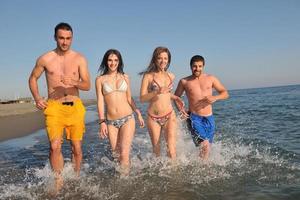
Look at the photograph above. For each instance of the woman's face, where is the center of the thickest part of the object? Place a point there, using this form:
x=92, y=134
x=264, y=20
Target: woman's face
x=162, y=61
x=112, y=62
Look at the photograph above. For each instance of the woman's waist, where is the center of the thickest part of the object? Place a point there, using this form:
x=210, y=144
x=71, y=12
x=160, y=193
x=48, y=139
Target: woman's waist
x=113, y=114
x=161, y=103
x=159, y=111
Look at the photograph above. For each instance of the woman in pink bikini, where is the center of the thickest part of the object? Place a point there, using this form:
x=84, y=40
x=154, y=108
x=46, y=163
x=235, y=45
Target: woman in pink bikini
x=117, y=122
x=156, y=89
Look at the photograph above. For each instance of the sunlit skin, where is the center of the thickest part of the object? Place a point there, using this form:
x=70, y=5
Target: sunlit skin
x=63, y=40
x=162, y=61
x=118, y=105
x=197, y=68
x=159, y=105
x=199, y=91
x=66, y=73
x=112, y=63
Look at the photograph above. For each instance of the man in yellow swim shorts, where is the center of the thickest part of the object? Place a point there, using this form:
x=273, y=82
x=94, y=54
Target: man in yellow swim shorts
x=65, y=115
x=66, y=73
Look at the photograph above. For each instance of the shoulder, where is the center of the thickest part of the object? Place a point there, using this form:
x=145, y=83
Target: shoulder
x=185, y=79
x=99, y=79
x=171, y=75
x=45, y=58
x=210, y=77
x=147, y=78
x=148, y=75
x=78, y=56
x=47, y=55
x=126, y=77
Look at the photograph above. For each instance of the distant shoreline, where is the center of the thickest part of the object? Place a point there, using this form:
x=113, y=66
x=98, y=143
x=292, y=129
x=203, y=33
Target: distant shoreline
x=264, y=87
x=21, y=119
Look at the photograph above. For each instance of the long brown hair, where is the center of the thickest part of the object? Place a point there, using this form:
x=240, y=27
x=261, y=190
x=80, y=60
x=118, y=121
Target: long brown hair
x=152, y=66
x=103, y=68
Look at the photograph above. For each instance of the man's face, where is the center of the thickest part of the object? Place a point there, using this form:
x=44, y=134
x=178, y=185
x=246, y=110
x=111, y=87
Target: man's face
x=197, y=68
x=64, y=39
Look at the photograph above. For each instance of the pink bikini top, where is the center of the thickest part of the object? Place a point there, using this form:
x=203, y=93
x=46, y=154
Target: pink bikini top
x=154, y=86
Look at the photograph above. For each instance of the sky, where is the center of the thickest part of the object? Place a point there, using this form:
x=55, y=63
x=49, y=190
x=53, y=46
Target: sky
x=246, y=44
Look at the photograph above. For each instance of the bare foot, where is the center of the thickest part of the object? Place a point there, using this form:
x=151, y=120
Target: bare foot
x=123, y=170
x=58, y=185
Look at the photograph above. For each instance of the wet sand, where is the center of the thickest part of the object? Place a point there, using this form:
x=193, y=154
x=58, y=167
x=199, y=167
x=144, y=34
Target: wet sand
x=21, y=119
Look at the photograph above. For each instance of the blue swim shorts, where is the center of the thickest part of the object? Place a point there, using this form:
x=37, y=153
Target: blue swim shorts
x=201, y=128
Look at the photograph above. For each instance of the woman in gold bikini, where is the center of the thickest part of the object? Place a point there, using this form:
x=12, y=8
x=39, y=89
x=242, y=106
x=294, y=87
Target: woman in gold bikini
x=118, y=122
x=156, y=89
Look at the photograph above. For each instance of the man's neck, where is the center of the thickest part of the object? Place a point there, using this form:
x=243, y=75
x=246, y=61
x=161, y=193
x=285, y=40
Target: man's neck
x=197, y=77
x=62, y=53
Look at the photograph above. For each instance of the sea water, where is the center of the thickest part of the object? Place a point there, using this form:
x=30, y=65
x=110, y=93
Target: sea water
x=255, y=155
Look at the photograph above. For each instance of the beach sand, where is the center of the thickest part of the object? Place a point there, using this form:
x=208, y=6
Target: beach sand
x=21, y=119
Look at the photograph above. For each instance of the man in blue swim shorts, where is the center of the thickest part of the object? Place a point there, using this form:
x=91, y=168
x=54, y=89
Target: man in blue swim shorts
x=199, y=91
x=201, y=128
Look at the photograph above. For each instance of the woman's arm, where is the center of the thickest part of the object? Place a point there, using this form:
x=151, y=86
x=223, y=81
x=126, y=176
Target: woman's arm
x=100, y=106
x=132, y=103
x=144, y=94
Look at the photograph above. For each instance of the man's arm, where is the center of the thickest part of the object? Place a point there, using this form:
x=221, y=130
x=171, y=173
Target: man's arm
x=178, y=92
x=33, y=85
x=84, y=83
x=180, y=89
x=179, y=102
x=220, y=88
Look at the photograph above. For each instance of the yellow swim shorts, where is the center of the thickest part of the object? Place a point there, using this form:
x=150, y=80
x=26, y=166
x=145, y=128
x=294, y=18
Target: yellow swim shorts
x=69, y=117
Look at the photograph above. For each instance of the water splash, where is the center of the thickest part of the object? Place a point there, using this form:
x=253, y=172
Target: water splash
x=239, y=166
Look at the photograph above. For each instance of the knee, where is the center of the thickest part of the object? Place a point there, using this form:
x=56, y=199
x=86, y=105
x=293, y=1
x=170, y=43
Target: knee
x=77, y=151
x=55, y=147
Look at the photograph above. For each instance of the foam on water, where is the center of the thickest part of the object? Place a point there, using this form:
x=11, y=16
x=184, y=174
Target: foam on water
x=229, y=162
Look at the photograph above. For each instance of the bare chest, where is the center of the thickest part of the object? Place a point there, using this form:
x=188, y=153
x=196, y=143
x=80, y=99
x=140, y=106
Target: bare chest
x=199, y=88
x=59, y=67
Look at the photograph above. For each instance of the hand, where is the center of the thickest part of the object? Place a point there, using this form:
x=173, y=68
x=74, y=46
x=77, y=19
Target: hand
x=206, y=101
x=179, y=102
x=210, y=99
x=103, y=133
x=183, y=115
x=67, y=80
x=41, y=104
x=141, y=120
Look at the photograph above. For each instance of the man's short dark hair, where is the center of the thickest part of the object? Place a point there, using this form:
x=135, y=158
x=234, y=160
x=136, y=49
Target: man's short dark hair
x=63, y=26
x=197, y=58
